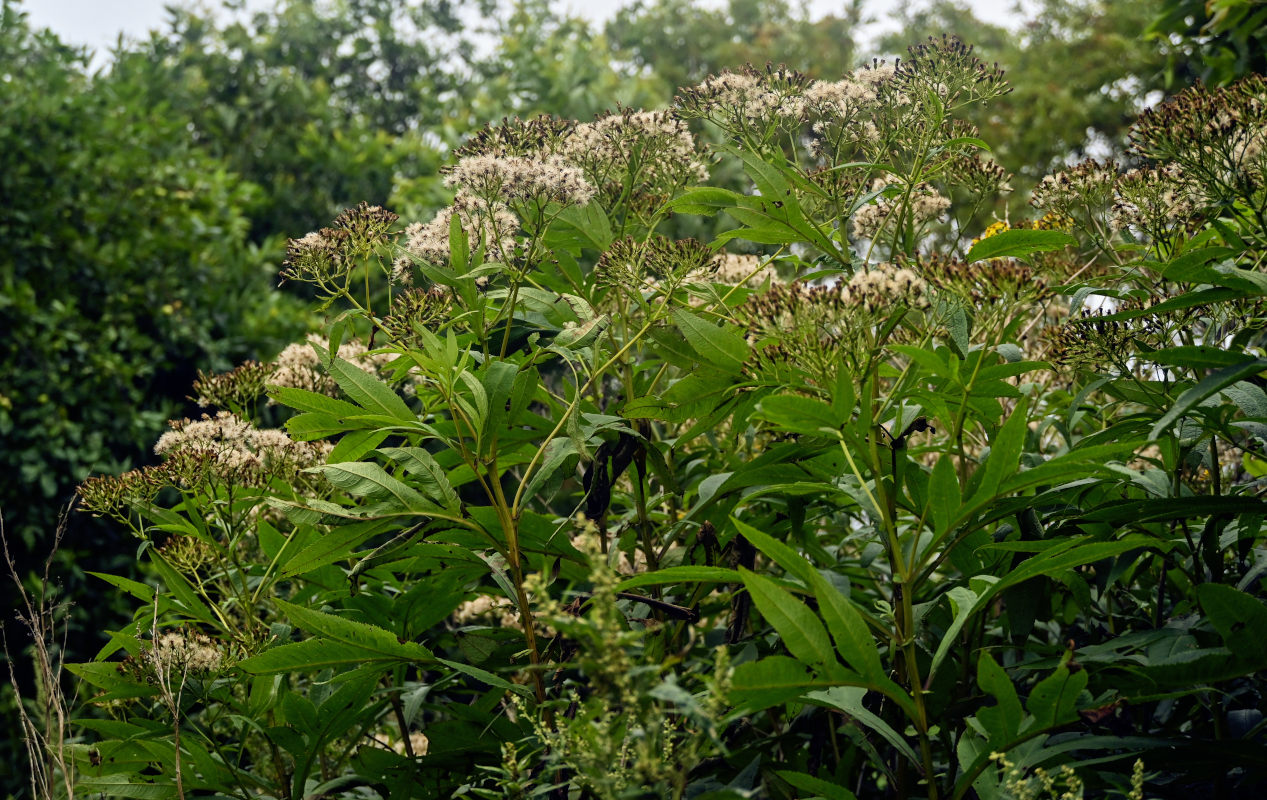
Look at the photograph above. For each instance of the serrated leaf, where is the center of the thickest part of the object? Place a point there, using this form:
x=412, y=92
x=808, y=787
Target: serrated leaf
x=419, y=463
x=368, y=391
x=724, y=347
x=367, y=479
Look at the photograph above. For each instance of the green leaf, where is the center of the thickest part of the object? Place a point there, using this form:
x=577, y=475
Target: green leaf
x=853, y=638
x=1054, y=701
x=1198, y=357
x=705, y=200
x=724, y=347
x=849, y=700
x=962, y=600
x=943, y=494
x=802, y=633
x=368, y=391
x=815, y=786
x=1002, y=721
x=330, y=547
x=1017, y=243
x=304, y=400
x=1240, y=619
x=354, y=444
x=1005, y=454
x=310, y=655
x=487, y=677
x=367, y=479
x=792, y=562
x=369, y=638
x=682, y=574
x=799, y=414
x=756, y=685
x=122, y=785
x=419, y=463
x=1212, y=383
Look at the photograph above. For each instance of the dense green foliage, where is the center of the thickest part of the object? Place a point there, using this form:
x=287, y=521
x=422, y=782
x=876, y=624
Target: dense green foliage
x=858, y=495
x=588, y=511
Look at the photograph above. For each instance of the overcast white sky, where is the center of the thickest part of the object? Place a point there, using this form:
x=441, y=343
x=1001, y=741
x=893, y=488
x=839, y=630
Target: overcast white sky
x=97, y=23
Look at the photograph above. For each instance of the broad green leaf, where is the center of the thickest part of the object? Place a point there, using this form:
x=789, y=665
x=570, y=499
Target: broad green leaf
x=354, y=444
x=135, y=588
x=849, y=700
x=310, y=655
x=1002, y=721
x=310, y=426
x=369, y=638
x=792, y=562
x=122, y=785
x=368, y=391
x=1054, y=701
x=487, y=677
x=1198, y=357
x=705, y=200
x=853, y=638
x=328, y=548
x=181, y=589
x=304, y=400
x=1240, y=619
x=799, y=414
x=367, y=479
x=723, y=347
x=1212, y=383
x=1004, y=455
x=961, y=599
x=802, y=633
x=943, y=494
x=757, y=685
x=1018, y=243
x=419, y=463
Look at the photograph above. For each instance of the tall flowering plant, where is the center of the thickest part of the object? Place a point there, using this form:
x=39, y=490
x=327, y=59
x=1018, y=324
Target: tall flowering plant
x=569, y=505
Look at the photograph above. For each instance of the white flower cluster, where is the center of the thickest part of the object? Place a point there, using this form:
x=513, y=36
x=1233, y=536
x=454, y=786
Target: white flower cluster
x=298, y=366
x=840, y=98
x=735, y=269
x=926, y=205
x=746, y=96
x=183, y=652
x=490, y=224
x=661, y=143
x=885, y=286
x=236, y=445
x=1087, y=183
x=519, y=178
x=487, y=608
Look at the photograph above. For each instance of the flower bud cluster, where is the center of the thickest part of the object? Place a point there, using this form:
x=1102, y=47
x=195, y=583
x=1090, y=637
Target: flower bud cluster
x=1154, y=200
x=1088, y=184
x=1215, y=135
x=925, y=205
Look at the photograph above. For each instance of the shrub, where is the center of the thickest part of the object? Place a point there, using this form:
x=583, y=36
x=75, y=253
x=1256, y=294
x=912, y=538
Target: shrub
x=589, y=511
